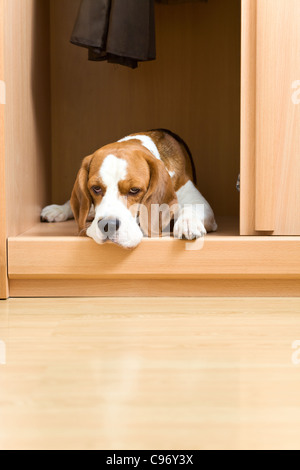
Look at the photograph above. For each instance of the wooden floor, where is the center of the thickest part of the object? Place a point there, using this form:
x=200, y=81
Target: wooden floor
x=150, y=373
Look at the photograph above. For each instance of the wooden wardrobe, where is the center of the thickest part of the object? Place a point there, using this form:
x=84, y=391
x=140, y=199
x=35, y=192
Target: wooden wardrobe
x=226, y=79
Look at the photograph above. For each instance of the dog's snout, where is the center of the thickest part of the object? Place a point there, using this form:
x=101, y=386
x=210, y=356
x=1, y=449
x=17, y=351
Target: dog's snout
x=109, y=226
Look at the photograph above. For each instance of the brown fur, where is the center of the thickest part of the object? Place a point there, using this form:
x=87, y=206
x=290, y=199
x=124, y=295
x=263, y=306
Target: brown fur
x=81, y=199
x=144, y=171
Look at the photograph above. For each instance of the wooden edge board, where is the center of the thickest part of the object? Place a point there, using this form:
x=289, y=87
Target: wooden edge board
x=223, y=257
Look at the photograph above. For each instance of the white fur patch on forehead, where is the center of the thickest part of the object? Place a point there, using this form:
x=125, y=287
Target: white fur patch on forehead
x=113, y=170
x=146, y=141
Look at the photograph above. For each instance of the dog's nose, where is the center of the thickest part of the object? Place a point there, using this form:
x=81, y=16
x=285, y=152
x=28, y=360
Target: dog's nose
x=109, y=226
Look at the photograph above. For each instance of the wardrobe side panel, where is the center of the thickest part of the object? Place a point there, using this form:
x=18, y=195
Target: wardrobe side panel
x=3, y=253
x=192, y=88
x=27, y=133
x=277, y=207
x=248, y=117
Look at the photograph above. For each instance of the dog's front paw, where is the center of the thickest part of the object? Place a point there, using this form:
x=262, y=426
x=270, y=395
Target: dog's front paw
x=189, y=227
x=55, y=213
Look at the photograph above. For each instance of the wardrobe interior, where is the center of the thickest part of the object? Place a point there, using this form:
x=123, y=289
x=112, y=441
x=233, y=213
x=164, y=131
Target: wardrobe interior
x=61, y=107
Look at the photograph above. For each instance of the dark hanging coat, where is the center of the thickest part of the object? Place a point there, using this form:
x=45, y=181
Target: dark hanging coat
x=175, y=2
x=118, y=31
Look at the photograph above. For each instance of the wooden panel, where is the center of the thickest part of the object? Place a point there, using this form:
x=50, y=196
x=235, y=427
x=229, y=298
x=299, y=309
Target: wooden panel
x=248, y=117
x=192, y=88
x=277, y=205
x=220, y=257
x=155, y=288
x=3, y=255
x=27, y=73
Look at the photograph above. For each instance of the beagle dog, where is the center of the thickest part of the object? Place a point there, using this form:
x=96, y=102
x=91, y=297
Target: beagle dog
x=142, y=185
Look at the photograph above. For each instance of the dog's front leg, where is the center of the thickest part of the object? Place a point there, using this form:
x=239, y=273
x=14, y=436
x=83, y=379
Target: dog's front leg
x=195, y=217
x=60, y=213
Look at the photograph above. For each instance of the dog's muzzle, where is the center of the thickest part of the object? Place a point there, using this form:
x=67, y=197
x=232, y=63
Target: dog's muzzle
x=109, y=227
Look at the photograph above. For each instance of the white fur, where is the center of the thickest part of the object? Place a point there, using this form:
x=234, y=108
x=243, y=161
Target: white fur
x=56, y=213
x=146, y=141
x=196, y=217
x=112, y=171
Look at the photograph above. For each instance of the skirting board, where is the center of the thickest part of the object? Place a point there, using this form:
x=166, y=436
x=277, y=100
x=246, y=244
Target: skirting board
x=155, y=288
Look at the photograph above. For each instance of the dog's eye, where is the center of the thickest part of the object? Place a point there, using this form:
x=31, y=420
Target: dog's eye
x=134, y=191
x=97, y=190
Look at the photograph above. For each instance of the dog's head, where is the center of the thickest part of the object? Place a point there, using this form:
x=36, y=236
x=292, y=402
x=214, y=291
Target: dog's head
x=132, y=193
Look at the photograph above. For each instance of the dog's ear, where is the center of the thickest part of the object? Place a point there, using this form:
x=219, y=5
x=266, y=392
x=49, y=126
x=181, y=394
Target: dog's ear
x=159, y=204
x=81, y=199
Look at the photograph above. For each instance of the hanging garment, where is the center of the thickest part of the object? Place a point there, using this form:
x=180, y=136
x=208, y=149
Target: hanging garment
x=121, y=32
x=175, y=2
